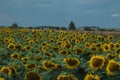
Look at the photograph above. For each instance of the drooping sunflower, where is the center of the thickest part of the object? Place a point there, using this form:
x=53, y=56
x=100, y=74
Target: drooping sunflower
x=112, y=67
x=48, y=65
x=15, y=56
x=91, y=77
x=96, y=62
x=71, y=62
x=33, y=76
x=11, y=46
x=5, y=69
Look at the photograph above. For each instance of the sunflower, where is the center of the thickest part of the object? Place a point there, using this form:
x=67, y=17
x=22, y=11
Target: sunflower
x=66, y=77
x=110, y=37
x=63, y=52
x=55, y=48
x=15, y=56
x=117, y=51
x=18, y=46
x=44, y=48
x=47, y=54
x=106, y=47
x=111, y=45
x=27, y=48
x=2, y=78
x=110, y=56
x=63, y=77
x=48, y=65
x=94, y=49
x=30, y=66
x=116, y=45
x=100, y=37
x=11, y=46
x=24, y=59
x=68, y=45
x=112, y=67
x=5, y=69
x=91, y=77
x=99, y=45
x=96, y=62
x=13, y=69
x=87, y=44
x=33, y=76
x=71, y=62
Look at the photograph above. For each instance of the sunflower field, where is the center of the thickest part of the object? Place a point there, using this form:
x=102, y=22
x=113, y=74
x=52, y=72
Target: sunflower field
x=34, y=54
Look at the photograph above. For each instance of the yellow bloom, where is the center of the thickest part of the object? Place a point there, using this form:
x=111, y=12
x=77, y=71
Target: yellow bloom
x=15, y=56
x=33, y=76
x=27, y=48
x=96, y=62
x=1, y=78
x=106, y=47
x=48, y=65
x=66, y=77
x=112, y=67
x=63, y=52
x=11, y=46
x=5, y=69
x=30, y=66
x=71, y=62
x=91, y=77
x=18, y=46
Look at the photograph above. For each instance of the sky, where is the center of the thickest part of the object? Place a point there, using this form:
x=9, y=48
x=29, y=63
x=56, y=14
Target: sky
x=101, y=13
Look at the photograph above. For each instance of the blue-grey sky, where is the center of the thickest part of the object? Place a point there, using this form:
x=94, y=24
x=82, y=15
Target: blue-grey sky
x=102, y=13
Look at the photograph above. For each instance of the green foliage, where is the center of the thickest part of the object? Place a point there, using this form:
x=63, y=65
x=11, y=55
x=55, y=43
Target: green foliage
x=72, y=26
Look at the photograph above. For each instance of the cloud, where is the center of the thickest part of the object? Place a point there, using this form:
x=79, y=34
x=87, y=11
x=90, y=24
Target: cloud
x=115, y=15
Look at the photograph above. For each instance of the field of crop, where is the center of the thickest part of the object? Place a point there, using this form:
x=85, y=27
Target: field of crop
x=29, y=54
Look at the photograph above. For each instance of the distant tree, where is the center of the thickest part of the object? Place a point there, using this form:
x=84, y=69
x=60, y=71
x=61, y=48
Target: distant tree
x=71, y=26
x=14, y=25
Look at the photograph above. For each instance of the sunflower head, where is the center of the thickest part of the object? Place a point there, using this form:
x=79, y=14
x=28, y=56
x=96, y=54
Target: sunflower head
x=48, y=65
x=15, y=56
x=33, y=76
x=5, y=69
x=96, y=62
x=91, y=77
x=112, y=67
x=71, y=62
x=66, y=77
x=11, y=46
x=106, y=47
x=2, y=78
x=30, y=66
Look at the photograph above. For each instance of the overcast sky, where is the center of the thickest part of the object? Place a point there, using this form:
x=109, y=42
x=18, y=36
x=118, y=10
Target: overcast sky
x=101, y=13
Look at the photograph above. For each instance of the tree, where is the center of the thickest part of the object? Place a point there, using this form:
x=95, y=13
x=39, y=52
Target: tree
x=14, y=25
x=71, y=26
